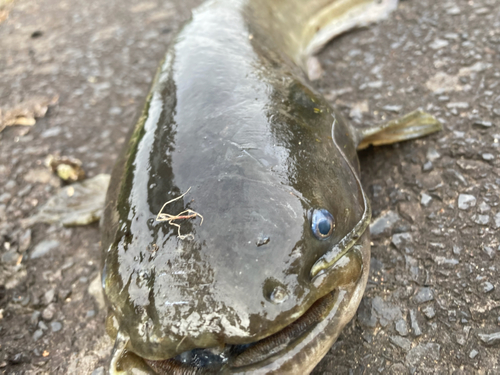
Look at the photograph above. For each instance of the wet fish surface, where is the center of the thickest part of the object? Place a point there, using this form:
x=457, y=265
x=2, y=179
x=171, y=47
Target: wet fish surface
x=235, y=228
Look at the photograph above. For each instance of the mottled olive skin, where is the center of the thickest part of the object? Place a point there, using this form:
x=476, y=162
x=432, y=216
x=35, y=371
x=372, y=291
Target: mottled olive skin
x=231, y=116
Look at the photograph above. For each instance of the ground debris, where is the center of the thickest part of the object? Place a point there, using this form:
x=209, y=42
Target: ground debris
x=490, y=339
x=67, y=168
x=26, y=112
x=77, y=204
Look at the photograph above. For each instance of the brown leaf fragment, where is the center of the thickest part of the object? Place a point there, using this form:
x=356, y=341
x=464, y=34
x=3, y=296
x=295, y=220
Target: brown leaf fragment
x=67, y=168
x=26, y=112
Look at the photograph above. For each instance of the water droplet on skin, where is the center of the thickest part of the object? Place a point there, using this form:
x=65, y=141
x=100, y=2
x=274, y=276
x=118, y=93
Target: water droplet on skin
x=278, y=295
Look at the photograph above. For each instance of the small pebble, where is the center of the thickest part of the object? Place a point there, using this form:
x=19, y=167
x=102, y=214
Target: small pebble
x=465, y=201
x=42, y=325
x=384, y=223
x=427, y=166
x=432, y=154
x=488, y=157
x=487, y=287
x=429, y=352
x=452, y=315
x=19, y=358
x=423, y=295
x=35, y=317
x=55, y=326
x=401, y=239
x=10, y=257
x=49, y=312
x=483, y=208
x=414, y=323
x=375, y=84
x=5, y=198
x=37, y=334
x=43, y=248
x=453, y=11
x=425, y=200
x=458, y=105
x=23, y=300
x=490, y=339
x=473, y=354
x=481, y=219
x=392, y=108
x=25, y=241
x=461, y=339
x=90, y=314
x=484, y=124
x=62, y=294
x=401, y=327
x=98, y=371
x=439, y=43
x=401, y=342
x=429, y=311
x=115, y=111
x=490, y=251
x=48, y=297
x=445, y=261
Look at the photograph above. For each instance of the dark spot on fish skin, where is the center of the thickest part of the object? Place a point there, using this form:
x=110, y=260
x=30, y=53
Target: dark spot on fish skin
x=36, y=34
x=261, y=241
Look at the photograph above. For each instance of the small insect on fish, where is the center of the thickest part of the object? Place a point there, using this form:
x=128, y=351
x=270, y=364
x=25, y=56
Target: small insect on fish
x=233, y=135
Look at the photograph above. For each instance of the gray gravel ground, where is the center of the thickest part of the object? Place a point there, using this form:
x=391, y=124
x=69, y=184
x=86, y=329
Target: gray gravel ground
x=433, y=300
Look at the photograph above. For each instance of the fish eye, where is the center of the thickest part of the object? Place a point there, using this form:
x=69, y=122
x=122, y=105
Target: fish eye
x=322, y=224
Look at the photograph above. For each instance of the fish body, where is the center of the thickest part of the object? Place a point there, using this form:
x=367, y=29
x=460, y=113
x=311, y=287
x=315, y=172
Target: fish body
x=262, y=255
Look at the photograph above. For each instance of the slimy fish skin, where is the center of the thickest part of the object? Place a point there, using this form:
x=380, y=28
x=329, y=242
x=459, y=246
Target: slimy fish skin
x=235, y=232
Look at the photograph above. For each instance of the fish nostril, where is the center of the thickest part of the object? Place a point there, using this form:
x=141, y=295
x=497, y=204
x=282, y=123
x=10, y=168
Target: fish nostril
x=274, y=291
x=278, y=295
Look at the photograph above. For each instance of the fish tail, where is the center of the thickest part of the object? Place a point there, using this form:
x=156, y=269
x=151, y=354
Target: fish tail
x=333, y=18
x=301, y=28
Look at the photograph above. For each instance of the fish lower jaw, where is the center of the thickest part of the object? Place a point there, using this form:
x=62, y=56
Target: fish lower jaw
x=297, y=348
x=302, y=343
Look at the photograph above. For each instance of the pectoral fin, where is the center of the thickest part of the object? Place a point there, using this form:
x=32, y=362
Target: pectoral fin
x=413, y=125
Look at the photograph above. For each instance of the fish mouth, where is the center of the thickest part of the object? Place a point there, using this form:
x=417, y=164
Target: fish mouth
x=323, y=315
x=296, y=348
x=236, y=358
x=300, y=341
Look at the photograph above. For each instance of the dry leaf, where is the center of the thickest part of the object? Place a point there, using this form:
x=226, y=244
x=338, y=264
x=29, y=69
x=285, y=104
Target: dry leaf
x=26, y=112
x=67, y=168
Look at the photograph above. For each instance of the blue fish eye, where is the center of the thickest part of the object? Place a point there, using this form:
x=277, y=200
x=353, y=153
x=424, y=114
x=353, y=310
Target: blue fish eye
x=322, y=224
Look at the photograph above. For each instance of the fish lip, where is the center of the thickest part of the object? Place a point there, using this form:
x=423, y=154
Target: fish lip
x=236, y=365
x=322, y=266
x=280, y=350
